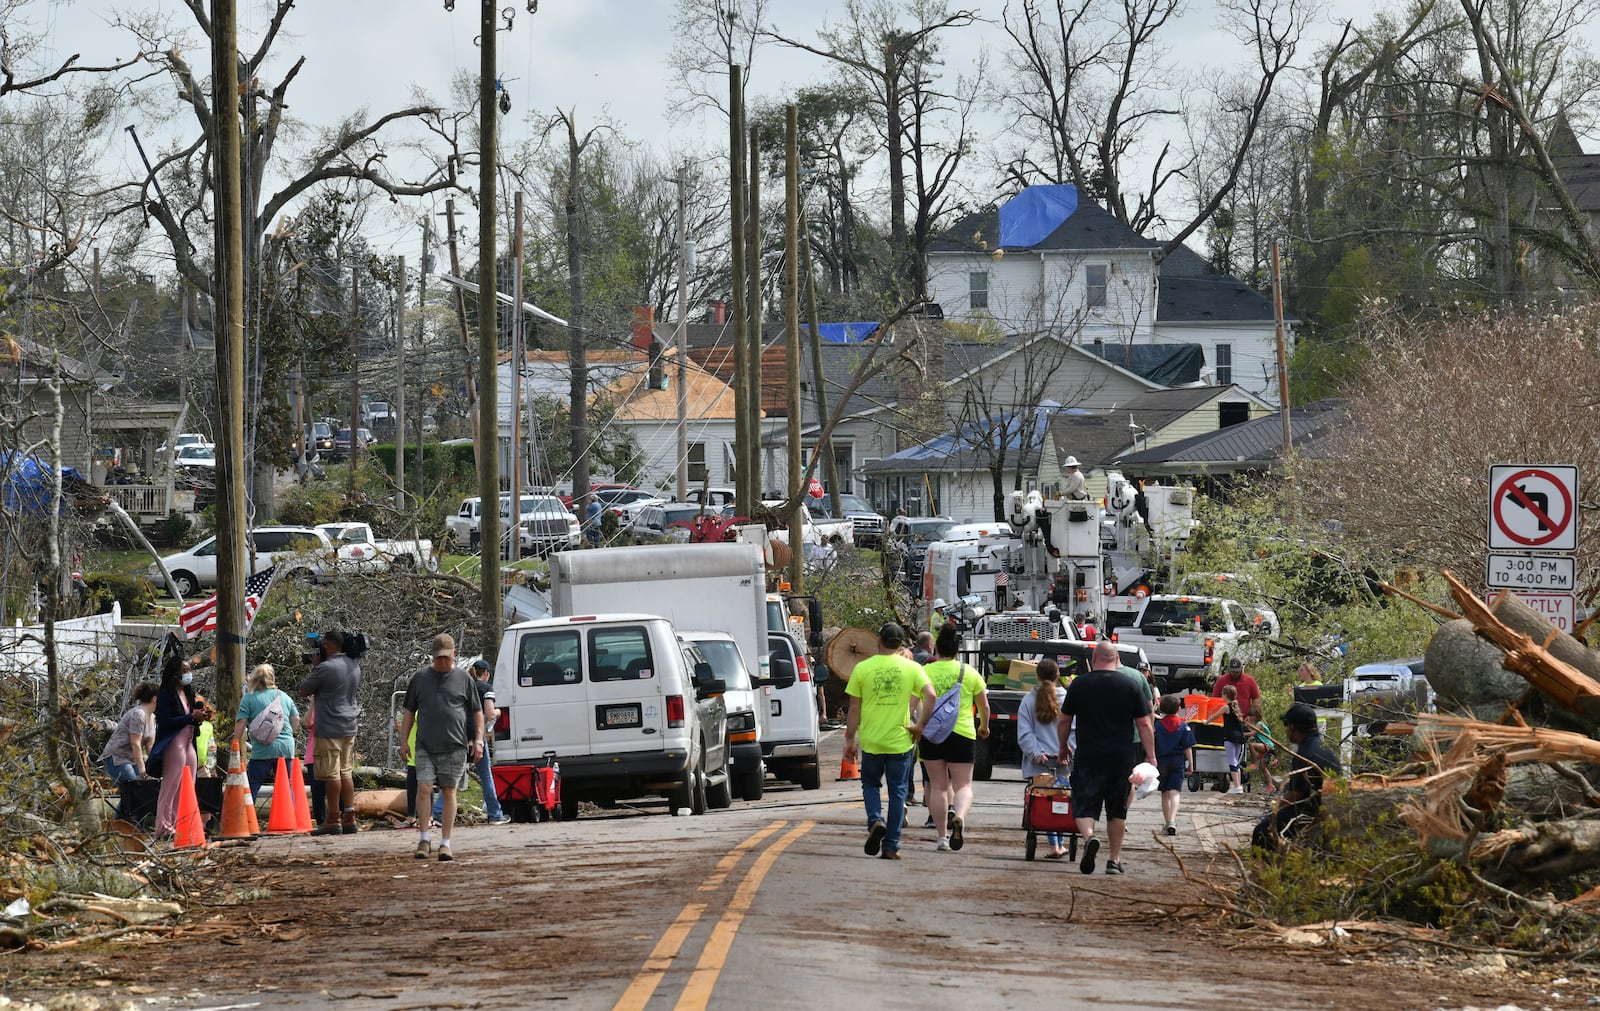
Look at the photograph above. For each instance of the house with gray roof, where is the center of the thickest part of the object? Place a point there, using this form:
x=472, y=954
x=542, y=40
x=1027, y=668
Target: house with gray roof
x=1255, y=446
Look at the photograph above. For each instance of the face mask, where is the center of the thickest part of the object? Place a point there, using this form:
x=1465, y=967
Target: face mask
x=188, y=679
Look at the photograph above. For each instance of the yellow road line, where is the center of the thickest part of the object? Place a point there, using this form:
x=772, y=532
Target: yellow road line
x=697, y=994
x=656, y=965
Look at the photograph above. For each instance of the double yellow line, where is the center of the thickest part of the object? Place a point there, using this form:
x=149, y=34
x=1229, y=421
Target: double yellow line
x=714, y=956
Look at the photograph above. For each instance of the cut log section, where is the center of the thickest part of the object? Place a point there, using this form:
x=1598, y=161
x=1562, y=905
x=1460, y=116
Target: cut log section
x=1532, y=658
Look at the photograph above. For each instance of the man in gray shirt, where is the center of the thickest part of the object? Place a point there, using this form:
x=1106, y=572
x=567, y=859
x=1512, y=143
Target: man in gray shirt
x=443, y=703
x=333, y=684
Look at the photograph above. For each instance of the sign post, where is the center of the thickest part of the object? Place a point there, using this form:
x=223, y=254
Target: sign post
x=1533, y=531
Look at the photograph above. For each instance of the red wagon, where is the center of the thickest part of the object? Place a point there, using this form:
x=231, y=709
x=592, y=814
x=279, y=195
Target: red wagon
x=1049, y=809
x=529, y=792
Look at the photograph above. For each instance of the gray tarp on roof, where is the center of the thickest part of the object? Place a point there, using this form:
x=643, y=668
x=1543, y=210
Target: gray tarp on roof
x=1167, y=364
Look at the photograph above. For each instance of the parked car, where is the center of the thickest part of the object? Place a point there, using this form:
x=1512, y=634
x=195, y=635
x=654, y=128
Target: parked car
x=667, y=522
x=718, y=497
x=306, y=553
x=790, y=748
x=359, y=551
x=186, y=439
x=622, y=702
x=906, y=543
x=867, y=523
x=544, y=524
x=815, y=531
x=596, y=489
x=341, y=442
x=195, y=455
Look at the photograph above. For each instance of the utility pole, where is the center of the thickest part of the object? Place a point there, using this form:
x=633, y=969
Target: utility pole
x=466, y=339
x=752, y=250
x=743, y=411
x=488, y=345
x=1283, y=352
x=515, y=550
x=683, y=338
x=422, y=306
x=830, y=465
x=302, y=469
x=400, y=391
x=229, y=289
x=355, y=373
x=791, y=339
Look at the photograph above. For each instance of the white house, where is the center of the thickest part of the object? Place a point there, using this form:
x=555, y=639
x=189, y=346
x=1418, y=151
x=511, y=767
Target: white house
x=1048, y=261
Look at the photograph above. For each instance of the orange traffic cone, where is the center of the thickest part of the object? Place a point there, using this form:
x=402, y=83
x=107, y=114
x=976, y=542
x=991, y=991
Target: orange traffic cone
x=281, y=820
x=238, y=813
x=190, y=831
x=302, y=796
x=848, y=769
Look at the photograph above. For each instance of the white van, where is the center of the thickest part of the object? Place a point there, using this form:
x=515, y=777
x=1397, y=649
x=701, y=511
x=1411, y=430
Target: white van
x=749, y=719
x=790, y=744
x=621, y=702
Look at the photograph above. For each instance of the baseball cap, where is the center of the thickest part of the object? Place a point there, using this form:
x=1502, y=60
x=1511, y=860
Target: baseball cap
x=1236, y=666
x=480, y=664
x=891, y=634
x=1301, y=716
x=443, y=645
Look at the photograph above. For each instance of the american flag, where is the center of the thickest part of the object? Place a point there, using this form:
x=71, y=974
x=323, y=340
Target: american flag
x=202, y=616
x=1002, y=578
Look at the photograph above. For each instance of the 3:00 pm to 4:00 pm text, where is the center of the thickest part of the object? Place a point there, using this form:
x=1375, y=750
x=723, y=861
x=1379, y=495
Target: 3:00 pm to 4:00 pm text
x=1531, y=572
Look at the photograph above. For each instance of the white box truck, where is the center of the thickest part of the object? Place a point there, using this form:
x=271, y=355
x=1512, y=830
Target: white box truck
x=717, y=587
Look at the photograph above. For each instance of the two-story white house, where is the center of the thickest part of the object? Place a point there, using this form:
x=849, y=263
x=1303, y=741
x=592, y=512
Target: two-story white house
x=1049, y=261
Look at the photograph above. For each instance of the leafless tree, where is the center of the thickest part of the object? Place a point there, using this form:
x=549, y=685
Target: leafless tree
x=711, y=35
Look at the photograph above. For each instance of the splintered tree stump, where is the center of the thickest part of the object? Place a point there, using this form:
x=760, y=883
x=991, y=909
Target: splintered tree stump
x=1465, y=671
x=1543, y=852
x=1519, y=617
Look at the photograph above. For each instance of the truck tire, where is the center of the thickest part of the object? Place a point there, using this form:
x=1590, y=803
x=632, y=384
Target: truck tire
x=719, y=796
x=982, y=760
x=811, y=777
x=569, y=807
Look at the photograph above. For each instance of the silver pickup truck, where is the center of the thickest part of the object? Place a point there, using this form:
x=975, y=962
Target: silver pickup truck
x=1189, y=639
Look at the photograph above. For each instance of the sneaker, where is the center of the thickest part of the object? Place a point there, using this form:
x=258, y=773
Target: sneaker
x=1171, y=829
x=423, y=848
x=956, y=842
x=1090, y=849
x=1235, y=789
x=502, y=820
x=950, y=818
x=889, y=855
x=1113, y=867
x=875, y=836
x=349, y=829
x=445, y=856
x=929, y=822
x=943, y=845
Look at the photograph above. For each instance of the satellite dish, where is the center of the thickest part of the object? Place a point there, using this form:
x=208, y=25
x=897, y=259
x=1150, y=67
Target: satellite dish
x=849, y=647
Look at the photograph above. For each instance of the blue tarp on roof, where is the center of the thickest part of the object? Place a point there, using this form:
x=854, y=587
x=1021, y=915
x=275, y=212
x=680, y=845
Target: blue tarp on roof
x=1003, y=428
x=844, y=333
x=1029, y=217
x=26, y=483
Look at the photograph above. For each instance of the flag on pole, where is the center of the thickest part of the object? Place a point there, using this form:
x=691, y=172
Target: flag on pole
x=202, y=616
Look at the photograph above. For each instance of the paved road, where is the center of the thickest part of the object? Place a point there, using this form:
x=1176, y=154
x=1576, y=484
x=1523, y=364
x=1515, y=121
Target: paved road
x=765, y=905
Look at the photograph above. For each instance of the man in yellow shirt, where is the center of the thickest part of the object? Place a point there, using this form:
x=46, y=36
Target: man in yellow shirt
x=883, y=690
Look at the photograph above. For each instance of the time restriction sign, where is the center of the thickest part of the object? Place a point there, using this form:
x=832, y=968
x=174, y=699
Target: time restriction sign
x=1533, y=507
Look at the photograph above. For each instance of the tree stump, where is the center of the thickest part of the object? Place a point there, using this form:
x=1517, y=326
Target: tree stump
x=1466, y=673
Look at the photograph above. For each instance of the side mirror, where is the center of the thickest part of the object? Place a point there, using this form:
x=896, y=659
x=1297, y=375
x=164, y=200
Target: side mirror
x=783, y=673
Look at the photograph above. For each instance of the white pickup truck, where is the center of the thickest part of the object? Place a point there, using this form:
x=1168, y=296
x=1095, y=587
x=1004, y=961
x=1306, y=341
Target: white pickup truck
x=815, y=531
x=359, y=551
x=1190, y=639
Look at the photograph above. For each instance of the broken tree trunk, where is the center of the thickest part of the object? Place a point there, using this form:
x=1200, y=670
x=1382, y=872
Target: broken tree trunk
x=1519, y=617
x=1531, y=657
x=1543, y=851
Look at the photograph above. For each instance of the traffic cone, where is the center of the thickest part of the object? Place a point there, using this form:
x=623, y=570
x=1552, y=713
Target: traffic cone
x=238, y=813
x=282, y=820
x=302, y=797
x=848, y=769
x=189, y=831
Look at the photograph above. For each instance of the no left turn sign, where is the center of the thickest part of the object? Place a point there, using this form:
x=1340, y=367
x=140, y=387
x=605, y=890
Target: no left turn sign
x=1533, y=507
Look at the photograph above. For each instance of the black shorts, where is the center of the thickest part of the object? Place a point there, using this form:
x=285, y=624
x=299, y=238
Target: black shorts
x=1097, y=785
x=954, y=748
x=1172, y=769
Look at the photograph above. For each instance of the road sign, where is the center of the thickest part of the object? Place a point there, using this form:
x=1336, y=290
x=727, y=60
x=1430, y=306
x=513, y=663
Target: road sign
x=1561, y=609
x=814, y=489
x=1532, y=572
x=1533, y=507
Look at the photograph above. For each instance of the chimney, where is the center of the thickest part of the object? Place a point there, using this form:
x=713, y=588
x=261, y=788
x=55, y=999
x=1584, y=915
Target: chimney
x=717, y=313
x=644, y=322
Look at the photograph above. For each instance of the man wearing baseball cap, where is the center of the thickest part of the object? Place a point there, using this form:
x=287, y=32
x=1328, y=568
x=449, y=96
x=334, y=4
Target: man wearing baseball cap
x=442, y=702
x=482, y=672
x=1301, y=799
x=1249, y=692
x=883, y=689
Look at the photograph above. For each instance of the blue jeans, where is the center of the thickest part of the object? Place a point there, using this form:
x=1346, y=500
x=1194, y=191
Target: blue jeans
x=258, y=771
x=896, y=769
x=491, y=803
x=120, y=772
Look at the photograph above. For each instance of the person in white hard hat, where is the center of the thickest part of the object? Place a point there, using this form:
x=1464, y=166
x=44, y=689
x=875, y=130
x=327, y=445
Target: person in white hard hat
x=1073, y=484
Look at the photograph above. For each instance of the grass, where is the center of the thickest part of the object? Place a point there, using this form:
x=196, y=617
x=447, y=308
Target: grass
x=467, y=566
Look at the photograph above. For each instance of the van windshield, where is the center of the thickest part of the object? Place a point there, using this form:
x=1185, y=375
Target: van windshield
x=723, y=656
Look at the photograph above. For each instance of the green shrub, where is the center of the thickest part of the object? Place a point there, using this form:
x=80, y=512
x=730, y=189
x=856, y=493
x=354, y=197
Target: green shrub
x=135, y=593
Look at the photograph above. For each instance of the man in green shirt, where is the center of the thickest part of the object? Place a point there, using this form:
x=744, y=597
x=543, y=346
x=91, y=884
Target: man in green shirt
x=884, y=690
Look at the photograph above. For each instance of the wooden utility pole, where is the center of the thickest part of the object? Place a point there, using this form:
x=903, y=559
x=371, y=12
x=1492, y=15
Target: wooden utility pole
x=683, y=337
x=488, y=345
x=515, y=547
x=577, y=344
x=231, y=539
x=471, y=381
x=355, y=372
x=752, y=250
x=1283, y=353
x=830, y=465
x=791, y=340
x=422, y=309
x=743, y=410
x=400, y=391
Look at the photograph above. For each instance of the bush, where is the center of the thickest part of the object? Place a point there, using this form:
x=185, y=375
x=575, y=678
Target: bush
x=441, y=465
x=135, y=593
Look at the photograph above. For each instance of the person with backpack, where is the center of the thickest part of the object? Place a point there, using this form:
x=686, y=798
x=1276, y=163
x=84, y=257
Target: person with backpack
x=268, y=720
x=949, y=741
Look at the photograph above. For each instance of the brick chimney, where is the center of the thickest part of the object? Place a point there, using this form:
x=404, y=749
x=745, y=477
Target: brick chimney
x=717, y=313
x=644, y=322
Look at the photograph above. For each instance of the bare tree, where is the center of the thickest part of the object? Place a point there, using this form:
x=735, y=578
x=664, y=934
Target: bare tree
x=711, y=36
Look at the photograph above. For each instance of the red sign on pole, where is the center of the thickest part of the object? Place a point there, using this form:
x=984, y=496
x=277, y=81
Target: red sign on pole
x=814, y=489
x=1533, y=507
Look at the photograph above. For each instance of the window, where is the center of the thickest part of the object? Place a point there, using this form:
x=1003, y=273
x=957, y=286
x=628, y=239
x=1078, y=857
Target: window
x=1094, y=284
x=697, y=462
x=978, y=289
x=1224, y=364
x=619, y=654
x=547, y=659
x=1232, y=414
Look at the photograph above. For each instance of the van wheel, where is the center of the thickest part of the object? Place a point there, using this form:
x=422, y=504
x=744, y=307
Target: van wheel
x=982, y=760
x=719, y=796
x=569, y=808
x=811, y=778
x=752, y=784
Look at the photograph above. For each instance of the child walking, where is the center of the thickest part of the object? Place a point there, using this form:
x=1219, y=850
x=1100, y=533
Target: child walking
x=1174, y=756
x=1233, y=737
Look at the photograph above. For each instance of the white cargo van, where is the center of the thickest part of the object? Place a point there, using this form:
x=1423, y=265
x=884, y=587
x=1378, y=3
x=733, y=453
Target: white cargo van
x=790, y=747
x=624, y=705
x=748, y=718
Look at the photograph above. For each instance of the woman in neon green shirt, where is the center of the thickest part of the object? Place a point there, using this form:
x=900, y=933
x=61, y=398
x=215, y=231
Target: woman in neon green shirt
x=949, y=763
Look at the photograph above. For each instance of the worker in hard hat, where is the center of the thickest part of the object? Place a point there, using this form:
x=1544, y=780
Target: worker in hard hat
x=936, y=615
x=1073, y=484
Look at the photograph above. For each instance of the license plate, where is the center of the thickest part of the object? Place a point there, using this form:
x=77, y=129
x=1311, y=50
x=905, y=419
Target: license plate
x=777, y=708
x=613, y=717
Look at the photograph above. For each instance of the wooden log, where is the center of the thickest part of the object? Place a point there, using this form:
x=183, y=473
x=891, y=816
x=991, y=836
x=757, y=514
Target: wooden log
x=377, y=803
x=1519, y=617
x=1544, y=852
x=1564, y=683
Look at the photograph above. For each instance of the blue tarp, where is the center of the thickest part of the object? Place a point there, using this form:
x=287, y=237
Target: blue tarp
x=25, y=482
x=1029, y=217
x=989, y=434
x=844, y=333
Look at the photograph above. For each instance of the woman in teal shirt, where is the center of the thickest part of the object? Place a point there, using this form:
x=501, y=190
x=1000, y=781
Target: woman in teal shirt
x=263, y=764
x=949, y=763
